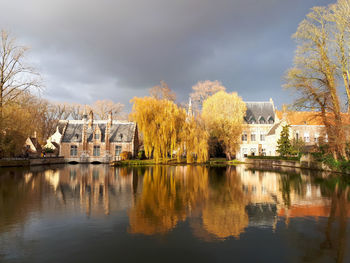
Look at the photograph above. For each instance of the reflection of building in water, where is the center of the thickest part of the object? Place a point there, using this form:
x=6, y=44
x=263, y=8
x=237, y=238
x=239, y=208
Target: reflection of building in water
x=273, y=194
x=93, y=186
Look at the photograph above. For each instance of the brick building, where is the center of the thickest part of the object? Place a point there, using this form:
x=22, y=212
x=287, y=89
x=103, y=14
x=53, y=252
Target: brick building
x=90, y=140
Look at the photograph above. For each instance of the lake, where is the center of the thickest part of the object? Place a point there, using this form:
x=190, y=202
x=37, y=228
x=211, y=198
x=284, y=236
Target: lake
x=97, y=213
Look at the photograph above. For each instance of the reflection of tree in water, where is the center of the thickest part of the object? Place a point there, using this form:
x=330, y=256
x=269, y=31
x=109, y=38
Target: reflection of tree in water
x=18, y=196
x=290, y=182
x=335, y=232
x=334, y=229
x=168, y=195
x=224, y=213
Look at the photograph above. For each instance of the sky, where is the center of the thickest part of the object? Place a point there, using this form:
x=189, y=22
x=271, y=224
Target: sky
x=88, y=50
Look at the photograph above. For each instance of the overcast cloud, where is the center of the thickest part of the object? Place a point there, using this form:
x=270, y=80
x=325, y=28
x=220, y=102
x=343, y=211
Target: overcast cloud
x=117, y=49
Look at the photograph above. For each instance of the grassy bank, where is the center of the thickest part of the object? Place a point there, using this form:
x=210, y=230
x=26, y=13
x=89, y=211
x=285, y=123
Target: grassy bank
x=136, y=162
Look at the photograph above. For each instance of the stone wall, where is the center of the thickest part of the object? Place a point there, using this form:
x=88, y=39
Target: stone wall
x=31, y=162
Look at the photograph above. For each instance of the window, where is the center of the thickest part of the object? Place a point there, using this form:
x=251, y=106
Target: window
x=96, y=150
x=326, y=138
x=316, y=137
x=263, y=152
x=253, y=137
x=262, y=137
x=118, y=150
x=297, y=136
x=244, y=137
x=97, y=136
x=73, y=150
x=245, y=152
x=306, y=137
x=262, y=120
x=270, y=120
x=253, y=151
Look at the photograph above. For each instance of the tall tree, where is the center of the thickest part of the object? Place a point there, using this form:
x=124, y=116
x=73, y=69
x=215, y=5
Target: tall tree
x=223, y=114
x=314, y=75
x=16, y=76
x=102, y=108
x=204, y=89
x=162, y=91
x=160, y=122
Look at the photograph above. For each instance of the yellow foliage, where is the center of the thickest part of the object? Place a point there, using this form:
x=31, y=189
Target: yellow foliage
x=168, y=194
x=223, y=114
x=166, y=130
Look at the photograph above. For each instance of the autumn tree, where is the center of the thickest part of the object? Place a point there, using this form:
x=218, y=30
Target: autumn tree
x=194, y=140
x=204, y=89
x=162, y=91
x=102, y=108
x=160, y=122
x=314, y=75
x=339, y=23
x=223, y=114
x=16, y=76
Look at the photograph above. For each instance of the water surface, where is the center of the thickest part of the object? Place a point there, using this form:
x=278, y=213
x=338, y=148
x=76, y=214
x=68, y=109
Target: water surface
x=95, y=213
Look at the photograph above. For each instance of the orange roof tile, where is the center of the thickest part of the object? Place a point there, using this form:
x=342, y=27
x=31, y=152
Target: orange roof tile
x=306, y=117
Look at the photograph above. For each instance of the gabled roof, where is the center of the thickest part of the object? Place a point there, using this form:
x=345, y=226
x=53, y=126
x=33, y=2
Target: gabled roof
x=119, y=131
x=35, y=143
x=258, y=110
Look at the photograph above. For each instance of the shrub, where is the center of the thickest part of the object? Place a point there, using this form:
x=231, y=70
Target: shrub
x=125, y=155
x=48, y=150
x=291, y=158
x=141, y=155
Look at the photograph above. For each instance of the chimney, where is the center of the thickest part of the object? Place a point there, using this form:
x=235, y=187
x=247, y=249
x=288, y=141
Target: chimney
x=84, y=114
x=110, y=118
x=91, y=119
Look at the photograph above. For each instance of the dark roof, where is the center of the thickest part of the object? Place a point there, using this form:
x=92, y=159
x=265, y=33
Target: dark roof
x=257, y=111
x=261, y=214
x=36, y=144
x=119, y=132
x=272, y=131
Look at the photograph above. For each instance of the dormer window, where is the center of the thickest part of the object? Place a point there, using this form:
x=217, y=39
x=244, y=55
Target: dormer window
x=262, y=120
x=121, y=136
x=270, y=120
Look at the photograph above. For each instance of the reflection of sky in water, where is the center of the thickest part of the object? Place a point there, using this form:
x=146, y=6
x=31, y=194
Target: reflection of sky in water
x=78, y=212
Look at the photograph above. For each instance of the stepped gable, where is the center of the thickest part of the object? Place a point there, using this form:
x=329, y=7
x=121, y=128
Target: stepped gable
x=119, y=131
x=260, y=112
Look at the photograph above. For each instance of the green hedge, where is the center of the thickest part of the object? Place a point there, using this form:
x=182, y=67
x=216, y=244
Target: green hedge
x=296, y=158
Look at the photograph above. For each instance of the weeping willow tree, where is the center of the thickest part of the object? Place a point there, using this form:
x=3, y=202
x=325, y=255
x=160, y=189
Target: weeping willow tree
x=195, y=141
x=160, y=122
x=168, y=131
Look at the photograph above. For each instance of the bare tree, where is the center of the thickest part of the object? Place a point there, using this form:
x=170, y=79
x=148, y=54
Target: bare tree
x=101, y=108
x=162, y=91
x=314, y=75
x=204, y=89
x=77, y=110
x=15, y=75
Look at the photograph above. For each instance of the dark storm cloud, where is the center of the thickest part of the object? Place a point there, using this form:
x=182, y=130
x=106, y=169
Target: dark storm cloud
x=99, y=49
